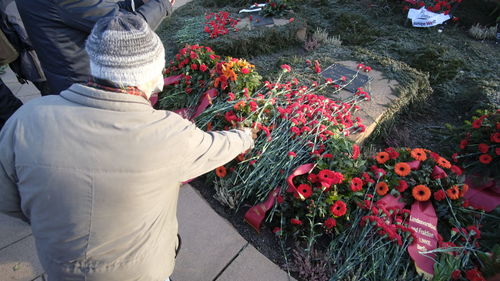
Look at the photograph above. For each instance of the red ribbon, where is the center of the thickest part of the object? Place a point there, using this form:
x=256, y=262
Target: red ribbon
x=423, y=221
x=301, y=170
x=205, y=101
x=172, y=79
x=256, y=214
x=438, y=173
x=390, y=201
x=482, y=194
x=166, y=81
x=414, y=165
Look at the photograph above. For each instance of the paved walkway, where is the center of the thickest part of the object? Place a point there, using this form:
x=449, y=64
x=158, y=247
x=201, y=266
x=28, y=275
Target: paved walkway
x=212, y=249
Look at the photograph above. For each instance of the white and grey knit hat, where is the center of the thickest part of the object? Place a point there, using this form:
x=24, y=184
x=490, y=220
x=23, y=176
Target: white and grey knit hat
x=123, y=49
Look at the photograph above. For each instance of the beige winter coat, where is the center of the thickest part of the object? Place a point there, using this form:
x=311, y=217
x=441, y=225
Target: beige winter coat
x=97, y=174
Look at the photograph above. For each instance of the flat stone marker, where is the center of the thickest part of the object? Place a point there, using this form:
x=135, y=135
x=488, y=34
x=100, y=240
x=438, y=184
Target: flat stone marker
x=383, y=96
x=353, y=80
x=258, y=20
x=209, y=242
x=252, y=265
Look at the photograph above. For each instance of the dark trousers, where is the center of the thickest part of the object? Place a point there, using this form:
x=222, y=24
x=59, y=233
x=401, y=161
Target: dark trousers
x=8, y=103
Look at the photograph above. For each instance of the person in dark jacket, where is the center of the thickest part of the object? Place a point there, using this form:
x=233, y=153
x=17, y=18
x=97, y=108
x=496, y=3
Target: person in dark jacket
x=27, y=66
x=8, y=103
x=25, y=63
x=58, y=30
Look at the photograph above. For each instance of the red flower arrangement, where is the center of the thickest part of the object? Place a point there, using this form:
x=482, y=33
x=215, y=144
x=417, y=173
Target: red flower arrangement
x=416, y=175
x=219, y=24
x=479, y=145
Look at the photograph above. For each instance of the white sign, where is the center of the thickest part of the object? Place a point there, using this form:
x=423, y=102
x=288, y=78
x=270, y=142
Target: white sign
x=253, y=8
x=424, y=18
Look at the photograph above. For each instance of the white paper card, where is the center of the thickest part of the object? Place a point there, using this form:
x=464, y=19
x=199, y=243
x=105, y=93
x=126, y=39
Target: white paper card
x=424, y=18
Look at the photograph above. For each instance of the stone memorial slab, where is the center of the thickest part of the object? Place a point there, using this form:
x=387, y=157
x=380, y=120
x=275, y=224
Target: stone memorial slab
x=354, y=80
x=383, y=95
x=258, y=20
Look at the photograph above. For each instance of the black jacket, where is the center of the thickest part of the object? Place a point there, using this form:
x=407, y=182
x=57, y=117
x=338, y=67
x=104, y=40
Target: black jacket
x=58, y=30
x=26, y=66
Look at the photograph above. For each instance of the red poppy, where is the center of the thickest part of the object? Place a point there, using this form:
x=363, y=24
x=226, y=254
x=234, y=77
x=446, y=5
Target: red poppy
x=356, y=184
x=456, y=274
x=286, y=68
x=355, y=151
x=312, y=178
x=439, y=195
x=317, y=66
x=330, y=223
x=402, y=186
x=476, y=124
x=221, y=171
x=463, y=143
x=304, y=191
x=483, y=148
x=296, y=221
x=327, y=178
x=456, y=170
x=392, y=152
x=474, y=275
x=495, y=137
x=485, y=158
x=338, y=209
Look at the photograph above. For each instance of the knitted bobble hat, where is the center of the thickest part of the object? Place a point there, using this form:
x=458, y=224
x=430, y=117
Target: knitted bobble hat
x=124, y=50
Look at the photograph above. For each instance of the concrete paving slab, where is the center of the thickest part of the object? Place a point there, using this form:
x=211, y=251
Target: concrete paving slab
x=12, y=230
x=252, y=265
x=209, y=242
x=19, y=261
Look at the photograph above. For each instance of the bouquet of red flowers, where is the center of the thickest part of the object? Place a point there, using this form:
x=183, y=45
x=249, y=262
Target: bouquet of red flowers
x=479, y=145
x=416, y=175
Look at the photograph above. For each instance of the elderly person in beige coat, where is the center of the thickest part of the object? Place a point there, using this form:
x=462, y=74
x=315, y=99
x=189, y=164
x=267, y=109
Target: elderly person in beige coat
x=96, y=170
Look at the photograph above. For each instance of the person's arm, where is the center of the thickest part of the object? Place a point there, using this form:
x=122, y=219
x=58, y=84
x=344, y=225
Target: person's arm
x=206, y=151
x=154, y=11
x=10, y=202
x=83, y=14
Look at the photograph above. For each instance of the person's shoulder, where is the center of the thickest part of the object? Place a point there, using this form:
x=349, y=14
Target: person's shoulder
x=37, y=104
